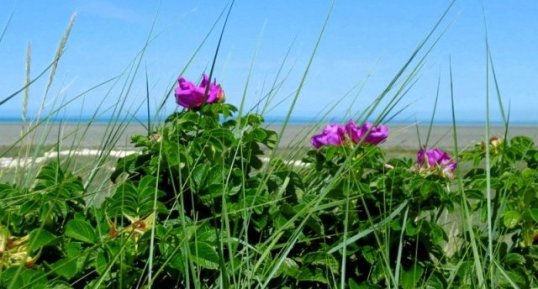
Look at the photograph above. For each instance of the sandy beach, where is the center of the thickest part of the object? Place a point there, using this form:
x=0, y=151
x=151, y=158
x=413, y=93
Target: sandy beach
x=401, y=136
x=407, y=136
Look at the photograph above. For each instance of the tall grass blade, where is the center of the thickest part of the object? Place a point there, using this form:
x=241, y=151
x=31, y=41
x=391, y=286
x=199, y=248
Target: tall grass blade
x=4, y=30
x=398, y=75
x=433, y=113
x=275, y=88
x=147, y=103
x=193, y=56
x=488, y=161
x=370, y=230
x=303, y=78
x=400, y=249
x=467, y=215
x=9, y=97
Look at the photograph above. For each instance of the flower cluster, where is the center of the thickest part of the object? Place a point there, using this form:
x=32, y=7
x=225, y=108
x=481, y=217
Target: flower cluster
x=336, y=134
x=189, y=95
x=429, y=160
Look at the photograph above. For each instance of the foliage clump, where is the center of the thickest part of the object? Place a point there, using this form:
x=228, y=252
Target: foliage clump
x=201, y=206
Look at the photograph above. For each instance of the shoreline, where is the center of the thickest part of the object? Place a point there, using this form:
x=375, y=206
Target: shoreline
x=401, y=136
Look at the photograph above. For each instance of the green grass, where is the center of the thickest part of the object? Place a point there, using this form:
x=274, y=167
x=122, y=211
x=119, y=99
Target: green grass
x=246, y=262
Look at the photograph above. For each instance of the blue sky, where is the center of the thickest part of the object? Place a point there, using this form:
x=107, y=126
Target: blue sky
x=365, y=42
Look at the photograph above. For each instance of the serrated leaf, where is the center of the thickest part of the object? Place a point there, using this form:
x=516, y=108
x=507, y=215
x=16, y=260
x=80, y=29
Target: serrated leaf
x=199, y=174
x=204, y=255
x=514, y=259
x=534, y=214
x=290, y=267
x=410, y=278
x=80, y=230
x=40, y=238
x=511, y=219
x=323, y=259
x=73, y=250
x=60, y=286
x=512, y=277
x=312, y=276
x=100, y=262
x=66, y=267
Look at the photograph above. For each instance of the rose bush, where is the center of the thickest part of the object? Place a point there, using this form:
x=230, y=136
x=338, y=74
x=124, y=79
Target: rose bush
x=367, y=132
x=336, y=134
x=198, y=206
x=191, y=96
x=435, y=161
x=332, y=134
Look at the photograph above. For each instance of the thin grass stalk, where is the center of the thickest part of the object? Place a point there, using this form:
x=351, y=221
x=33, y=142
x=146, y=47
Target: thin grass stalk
x=303, y=78
x=489, y=200
x=433, y=113
x=272, y=92
x=505, y=275
x=342, y=169
x=8, y=22
x=400, y=249
x=12, y=95
x=285, y=252
x=187, y=65
x=411, y=77
x=148, y=115
x=467, y=216
x=410, y=59
x=247, y=81
x=152, y=236
x=344, y=251
x=215, y=55
x=361, y=86
x=286, y=120
x=54, y=111
x=113, y=131
x=224, y=274
x=247, y=214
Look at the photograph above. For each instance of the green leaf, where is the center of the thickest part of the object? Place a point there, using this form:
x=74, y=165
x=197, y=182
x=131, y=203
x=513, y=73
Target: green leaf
x=8, y=190
x=66, y=267
x=100, y=262
x=352, y=284
x=73, y=250
x=323, y=259
x=290, y=267
x=199, y=174
x=438, y=234
x=511, y=219
x=514, y=259
x=58, y=285
x=80, y=230
x=534, y=214
x=204, y=255
x=20, y=277
x=512, y=277
x=40, y=238
x=436, y=281
x=317, y=275
x=409, y=279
